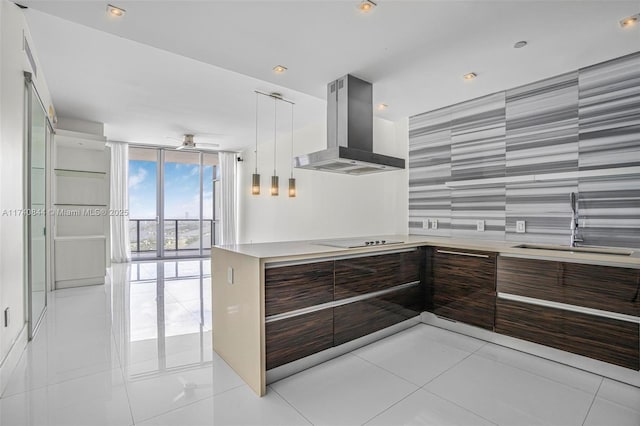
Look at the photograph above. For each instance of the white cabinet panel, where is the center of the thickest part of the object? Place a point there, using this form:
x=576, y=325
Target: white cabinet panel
x=90, y=160
x=79, y=259
x=74, y=221
x=80, y=188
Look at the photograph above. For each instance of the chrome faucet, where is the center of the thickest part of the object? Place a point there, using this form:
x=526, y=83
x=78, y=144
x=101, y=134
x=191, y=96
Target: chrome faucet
x=575, y=217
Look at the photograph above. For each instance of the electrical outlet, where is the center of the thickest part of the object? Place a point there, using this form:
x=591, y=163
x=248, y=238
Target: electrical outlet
x=480, y=225
x=520, y=229
x=425, y=224
x=434, y=223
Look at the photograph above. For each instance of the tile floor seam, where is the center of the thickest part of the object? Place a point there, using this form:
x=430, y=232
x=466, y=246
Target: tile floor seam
x=448, y=369
x=382, y=368
x=389, y=407
x=292, y=406
x=126, y=392
x=168, y=411
x=155, y=416
x=230, y=389
x=617, y=402
x=460, y=406
x=535, y=374
x=593, y=400
x=83, y=376
x=124, y=384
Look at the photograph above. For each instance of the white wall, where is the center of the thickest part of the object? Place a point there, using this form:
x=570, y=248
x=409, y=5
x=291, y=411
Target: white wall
x=13, y=62
x=328, y=205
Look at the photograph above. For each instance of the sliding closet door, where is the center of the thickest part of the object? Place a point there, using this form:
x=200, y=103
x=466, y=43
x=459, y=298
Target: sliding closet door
x=38, y=133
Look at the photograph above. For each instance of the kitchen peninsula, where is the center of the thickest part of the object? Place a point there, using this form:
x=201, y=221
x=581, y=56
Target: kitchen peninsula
x=282, y=307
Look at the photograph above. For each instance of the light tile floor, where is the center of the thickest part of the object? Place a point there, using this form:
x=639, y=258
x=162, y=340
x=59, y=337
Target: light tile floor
x=138, y=351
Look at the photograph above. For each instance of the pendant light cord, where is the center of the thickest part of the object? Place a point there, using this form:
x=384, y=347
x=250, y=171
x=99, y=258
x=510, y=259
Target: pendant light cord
x=256, y=133
x=275, y=121
x=291, y=141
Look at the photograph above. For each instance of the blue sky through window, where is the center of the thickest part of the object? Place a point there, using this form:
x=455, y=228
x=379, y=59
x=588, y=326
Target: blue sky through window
x=181, y=186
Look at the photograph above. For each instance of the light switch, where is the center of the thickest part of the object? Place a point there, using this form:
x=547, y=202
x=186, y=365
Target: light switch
x=230, y=275
x=425, y=224
x=434, y=223
x=520, y=229
x=480, y=225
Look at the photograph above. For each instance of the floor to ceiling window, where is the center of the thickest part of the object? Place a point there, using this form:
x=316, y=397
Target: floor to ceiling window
x=171, y=202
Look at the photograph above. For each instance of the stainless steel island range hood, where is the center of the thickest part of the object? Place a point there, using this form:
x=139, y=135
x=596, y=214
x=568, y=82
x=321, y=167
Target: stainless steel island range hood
x=349, y=133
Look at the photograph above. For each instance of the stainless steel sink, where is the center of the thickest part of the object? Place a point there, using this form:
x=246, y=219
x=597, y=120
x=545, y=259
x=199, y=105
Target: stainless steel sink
x=598, y=250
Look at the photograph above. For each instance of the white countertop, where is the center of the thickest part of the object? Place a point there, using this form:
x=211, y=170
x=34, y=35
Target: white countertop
x=293, y=250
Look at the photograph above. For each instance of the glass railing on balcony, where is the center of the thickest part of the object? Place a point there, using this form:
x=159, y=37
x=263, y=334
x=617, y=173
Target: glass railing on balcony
x=179, y=235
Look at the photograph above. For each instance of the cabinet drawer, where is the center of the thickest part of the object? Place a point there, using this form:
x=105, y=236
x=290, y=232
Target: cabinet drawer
x=294, y=338
x=605, y=339
x=361, y=275
x=288, y=288
x=600, y=287
x=464, y=285
x=473, y=269
x=361, y=318
x=474, y=308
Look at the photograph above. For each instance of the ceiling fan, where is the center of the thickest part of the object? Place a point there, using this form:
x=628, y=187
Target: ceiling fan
x=188, y=142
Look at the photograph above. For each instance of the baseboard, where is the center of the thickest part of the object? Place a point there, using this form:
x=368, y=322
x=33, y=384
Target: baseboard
x=591, y=365
x=79, y=282
x=10, y=361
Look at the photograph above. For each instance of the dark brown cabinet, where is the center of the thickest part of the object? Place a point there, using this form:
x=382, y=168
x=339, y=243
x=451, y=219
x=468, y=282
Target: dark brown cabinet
x=287, y=288
x=463, y=285
x=526, y=286
x=596, y=337
x=365, y=317
x=593, y=286
x=362, y=275
x=294, y=338
x=388, y=288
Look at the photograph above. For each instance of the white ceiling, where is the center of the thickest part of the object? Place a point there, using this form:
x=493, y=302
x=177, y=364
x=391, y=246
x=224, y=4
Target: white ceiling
x=170, y=67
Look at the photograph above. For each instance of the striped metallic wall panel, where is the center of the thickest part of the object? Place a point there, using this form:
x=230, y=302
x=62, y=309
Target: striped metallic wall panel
x=542, y=126
x=535, y=143
x=478, y=151
x=610, y=114
x=429, y=169
x=610, y=137
x=477, y=138
x=542, y=137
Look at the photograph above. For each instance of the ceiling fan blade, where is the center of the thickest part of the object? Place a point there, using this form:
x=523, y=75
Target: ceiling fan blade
x=181, y=147
x=208, y=144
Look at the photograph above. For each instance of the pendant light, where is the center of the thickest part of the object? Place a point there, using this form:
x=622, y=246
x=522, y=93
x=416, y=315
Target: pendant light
x=275, y=187
x=292, y=180
x=255, y=178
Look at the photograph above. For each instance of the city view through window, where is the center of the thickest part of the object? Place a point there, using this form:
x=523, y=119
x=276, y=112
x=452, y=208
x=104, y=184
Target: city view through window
x=182, y=200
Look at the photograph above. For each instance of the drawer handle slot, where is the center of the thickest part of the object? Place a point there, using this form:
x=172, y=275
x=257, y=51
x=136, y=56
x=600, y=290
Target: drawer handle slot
x=461, y=253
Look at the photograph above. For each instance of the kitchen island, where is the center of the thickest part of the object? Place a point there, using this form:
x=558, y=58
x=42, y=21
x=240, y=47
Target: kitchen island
x=282, y=307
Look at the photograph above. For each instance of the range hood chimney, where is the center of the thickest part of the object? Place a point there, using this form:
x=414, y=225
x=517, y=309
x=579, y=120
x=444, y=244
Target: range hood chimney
x=349, y=133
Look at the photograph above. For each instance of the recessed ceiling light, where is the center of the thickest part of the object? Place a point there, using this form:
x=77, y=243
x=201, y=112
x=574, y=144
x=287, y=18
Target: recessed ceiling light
x=366, y=6
x=470, y=76
x=115, y=11
x=382, y=107
x=279, y=69
x=520, y=44
x=630, y=21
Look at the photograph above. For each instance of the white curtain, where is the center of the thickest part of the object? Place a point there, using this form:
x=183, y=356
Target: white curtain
x=120, y=248
x=228, y=197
